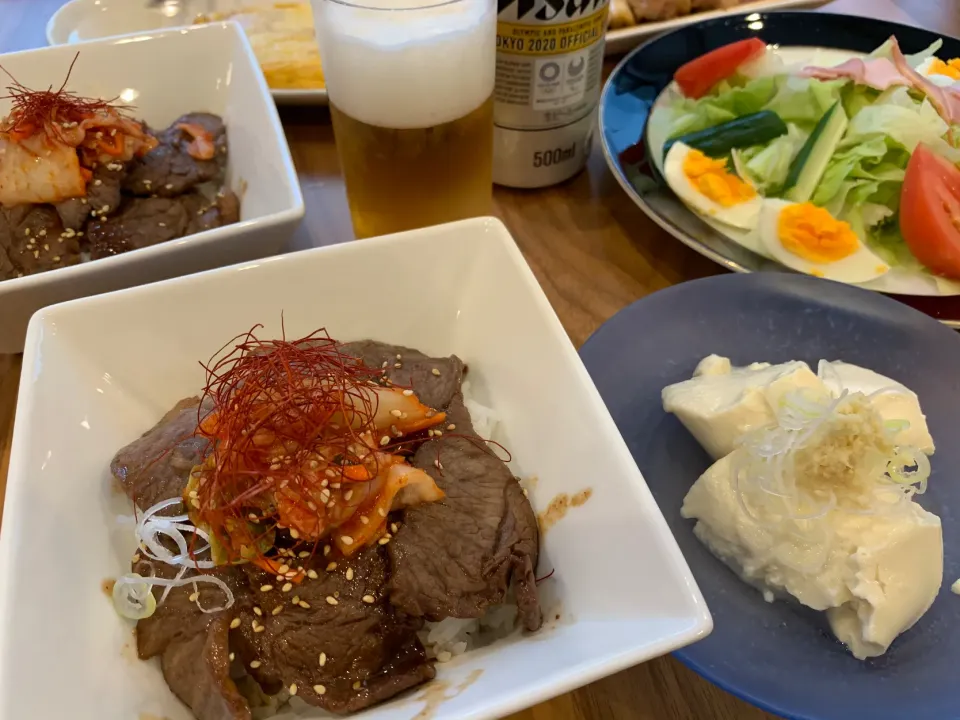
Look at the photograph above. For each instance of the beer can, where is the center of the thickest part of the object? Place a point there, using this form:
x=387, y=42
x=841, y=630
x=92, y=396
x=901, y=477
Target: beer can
x=548, y=82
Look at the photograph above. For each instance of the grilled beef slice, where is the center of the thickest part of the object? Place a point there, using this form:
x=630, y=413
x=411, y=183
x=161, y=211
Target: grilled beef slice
x=370, y=652
x=457, y=557
x=168, y=170
x=34, y=239
x=156, y=466
x=193, y=646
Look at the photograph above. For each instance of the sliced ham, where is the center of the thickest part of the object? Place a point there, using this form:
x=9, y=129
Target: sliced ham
x=879, y=73
x=945, y=100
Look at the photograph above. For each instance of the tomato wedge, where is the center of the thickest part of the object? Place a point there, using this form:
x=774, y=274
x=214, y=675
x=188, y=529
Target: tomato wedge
x=930, y=212
x=697, y=77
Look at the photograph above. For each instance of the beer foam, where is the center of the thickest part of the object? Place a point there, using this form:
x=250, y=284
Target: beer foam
x=396, y=64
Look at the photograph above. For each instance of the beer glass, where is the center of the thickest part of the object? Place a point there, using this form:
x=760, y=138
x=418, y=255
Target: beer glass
x=410, y=84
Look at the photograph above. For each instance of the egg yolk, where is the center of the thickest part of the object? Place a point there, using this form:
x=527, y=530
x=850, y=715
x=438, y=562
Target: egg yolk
x=814, y=234
x=950, y=68
x=713, y=180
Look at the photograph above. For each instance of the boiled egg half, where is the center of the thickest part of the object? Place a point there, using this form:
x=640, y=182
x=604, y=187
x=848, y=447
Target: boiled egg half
x=942, y=72
x=708, y=186
x=808, y=239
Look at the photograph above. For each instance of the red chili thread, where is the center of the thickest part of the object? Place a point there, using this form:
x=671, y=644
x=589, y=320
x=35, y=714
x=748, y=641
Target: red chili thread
x=34, y=110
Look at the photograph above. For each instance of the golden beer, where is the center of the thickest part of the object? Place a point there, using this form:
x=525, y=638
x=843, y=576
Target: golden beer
x=400, y=179
x=411, y=98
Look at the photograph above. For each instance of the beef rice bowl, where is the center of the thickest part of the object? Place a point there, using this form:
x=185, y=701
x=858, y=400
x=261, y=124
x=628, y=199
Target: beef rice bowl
x=310, y=521
x=81, y=179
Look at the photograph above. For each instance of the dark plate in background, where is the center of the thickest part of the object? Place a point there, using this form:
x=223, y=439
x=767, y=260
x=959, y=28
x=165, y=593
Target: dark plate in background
x=638, y=80
x=778, y=656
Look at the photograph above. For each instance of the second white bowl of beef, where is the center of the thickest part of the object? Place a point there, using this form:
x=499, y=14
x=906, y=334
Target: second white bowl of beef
x=161, y=77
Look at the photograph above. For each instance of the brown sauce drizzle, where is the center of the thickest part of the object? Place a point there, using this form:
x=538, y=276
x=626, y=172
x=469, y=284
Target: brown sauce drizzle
x=559, y=506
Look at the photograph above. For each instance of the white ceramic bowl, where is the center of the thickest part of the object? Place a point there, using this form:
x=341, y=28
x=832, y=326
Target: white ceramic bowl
x=166, y=74
x=100, y=371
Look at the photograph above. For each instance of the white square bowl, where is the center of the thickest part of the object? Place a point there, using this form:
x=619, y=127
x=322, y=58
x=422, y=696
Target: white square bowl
x=100, y=371
x=164, y=75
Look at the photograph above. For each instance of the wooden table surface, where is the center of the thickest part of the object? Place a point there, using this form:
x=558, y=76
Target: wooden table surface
x=593, y=252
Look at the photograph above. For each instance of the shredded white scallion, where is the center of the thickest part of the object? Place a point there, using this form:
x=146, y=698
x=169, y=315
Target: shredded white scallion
x=827, y=452
x=133, y=593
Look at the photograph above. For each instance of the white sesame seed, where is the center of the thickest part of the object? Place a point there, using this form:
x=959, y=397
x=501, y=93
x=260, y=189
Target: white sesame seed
x=357, y=685
x=346, y=540
x=276, y=610
x=435, y=372
x=364, y=520
x=252, y=517
x=136, y=557
x=331, y=566
x=385, y=439
x=235, y=623
x=335, y=486
x=287, y=587
x=347, y=495
x=323, y=659
x=438, y=465
x=331, y=600
x=444, y=656
x=349, y=573
x=232, y=656
x=255, y=664
x=162, y=224
x=394, y=527
x=194, y=596
x=296, y=600
x=324, y=496
x=282, y=569
x=396, y=413
x=312, y=574
x=27, y=232
x=451, y=426
x=98, y=182
x=303, y=554
x=43, y=232
x=266, y=588
x=257, y=611
x=259, y=629
x=195, y=503
x=383, y=513
x=383, y=541
x=168, y=186
x=294, y=534
x=293, y=689
x=398, y=365
x=408, y=393
x=369, y=599
x=326, y=550
x=105, y=209
x=304, y=604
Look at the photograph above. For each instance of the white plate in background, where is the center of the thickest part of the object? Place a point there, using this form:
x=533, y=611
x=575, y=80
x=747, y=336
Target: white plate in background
x=80, y=20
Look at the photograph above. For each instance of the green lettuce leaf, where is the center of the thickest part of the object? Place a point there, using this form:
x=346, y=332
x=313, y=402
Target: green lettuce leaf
x=767, y=166
x=725, y=103
x=884, y=51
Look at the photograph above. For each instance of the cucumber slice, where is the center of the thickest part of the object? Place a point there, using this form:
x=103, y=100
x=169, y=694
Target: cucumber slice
x=811, y=163
x=747, y=131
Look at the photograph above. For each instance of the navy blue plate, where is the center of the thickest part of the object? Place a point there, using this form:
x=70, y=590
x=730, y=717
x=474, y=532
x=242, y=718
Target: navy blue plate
x=778, y=656
x=639, y=79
